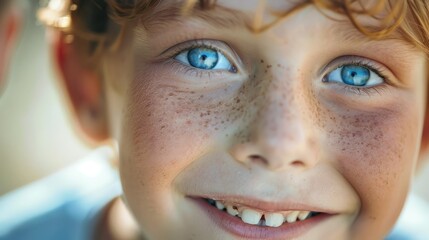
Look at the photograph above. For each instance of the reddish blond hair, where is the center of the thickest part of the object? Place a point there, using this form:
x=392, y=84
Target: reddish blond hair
x=409, y=17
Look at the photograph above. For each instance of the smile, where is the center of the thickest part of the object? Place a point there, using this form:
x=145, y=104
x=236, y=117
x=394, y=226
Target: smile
x=257, y=217
x=252, y=219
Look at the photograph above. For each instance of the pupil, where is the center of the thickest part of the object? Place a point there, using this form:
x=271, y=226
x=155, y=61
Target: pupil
x=203, y=58
x=355, y=75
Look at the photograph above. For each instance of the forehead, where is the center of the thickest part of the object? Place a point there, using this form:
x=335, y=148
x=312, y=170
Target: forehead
x=264, y=12
x=260, y=15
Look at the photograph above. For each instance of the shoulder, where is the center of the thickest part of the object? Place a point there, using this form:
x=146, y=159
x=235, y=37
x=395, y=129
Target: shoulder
x=69, y=200
x=413, y=222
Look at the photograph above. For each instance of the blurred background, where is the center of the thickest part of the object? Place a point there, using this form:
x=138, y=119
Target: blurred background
x=37, y=135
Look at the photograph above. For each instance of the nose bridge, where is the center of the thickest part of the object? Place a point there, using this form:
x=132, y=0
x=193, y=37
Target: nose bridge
x=281, y=134
x=282, y=122
x=281, y=104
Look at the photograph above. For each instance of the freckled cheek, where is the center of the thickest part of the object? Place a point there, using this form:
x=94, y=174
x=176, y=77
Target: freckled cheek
x=166, y=125
x=376, y=152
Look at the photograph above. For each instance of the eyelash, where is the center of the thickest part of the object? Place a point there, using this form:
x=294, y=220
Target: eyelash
x=198, y=72
x=369, y=91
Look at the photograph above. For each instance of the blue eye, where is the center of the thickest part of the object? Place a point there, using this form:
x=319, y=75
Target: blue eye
x=205, y=58
x=355, y=75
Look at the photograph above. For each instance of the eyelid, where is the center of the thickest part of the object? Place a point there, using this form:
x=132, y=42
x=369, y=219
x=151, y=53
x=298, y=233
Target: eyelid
x=217, y=45
x=372, y=65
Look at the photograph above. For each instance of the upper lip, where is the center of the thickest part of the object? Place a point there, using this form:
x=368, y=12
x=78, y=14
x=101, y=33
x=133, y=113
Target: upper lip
x=268, y=206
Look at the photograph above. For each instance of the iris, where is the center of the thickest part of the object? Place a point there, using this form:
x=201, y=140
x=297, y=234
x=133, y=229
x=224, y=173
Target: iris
x=203, y=58
x=355, y=75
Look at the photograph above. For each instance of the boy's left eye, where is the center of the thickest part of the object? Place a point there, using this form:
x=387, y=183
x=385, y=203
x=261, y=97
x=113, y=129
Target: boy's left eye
x=205, y=58
x=354, y=75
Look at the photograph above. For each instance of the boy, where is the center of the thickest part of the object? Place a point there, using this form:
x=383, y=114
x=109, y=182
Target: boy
x=263, y=120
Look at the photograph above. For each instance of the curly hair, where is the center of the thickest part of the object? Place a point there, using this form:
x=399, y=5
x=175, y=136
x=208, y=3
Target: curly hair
x=91, y=18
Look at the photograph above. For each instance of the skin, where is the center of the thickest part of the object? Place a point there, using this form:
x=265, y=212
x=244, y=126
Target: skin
x=273, y=131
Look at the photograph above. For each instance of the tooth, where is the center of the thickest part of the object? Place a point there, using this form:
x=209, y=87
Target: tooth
x=219, y=205
x=291, y=217
x=303, y=215
x=273, y=219
x=231, y=210
x=250, y=216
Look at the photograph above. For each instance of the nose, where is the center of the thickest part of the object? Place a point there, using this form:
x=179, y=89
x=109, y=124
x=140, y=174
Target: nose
x=280, y=135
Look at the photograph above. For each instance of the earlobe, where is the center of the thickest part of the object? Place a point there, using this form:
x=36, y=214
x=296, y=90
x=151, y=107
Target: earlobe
x=83, y=84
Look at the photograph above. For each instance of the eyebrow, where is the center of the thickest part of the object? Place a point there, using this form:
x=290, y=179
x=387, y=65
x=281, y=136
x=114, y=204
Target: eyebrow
x=163, y=16
x=173, y=13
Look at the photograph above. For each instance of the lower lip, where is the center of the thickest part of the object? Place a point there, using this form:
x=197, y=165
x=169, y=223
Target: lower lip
x=237, y=227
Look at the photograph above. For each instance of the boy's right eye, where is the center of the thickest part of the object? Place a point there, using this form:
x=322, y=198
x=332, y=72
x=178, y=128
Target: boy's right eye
x=205, y=58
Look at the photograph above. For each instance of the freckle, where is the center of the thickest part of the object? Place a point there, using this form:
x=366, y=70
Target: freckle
x=171, y=94
x=278, y=65
x=269, y=66
x=201, y=96
x=262, y=61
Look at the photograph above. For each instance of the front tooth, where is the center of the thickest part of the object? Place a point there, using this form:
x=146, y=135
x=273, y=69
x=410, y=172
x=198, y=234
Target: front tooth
x=231, y=210
x=303, y=215
x=273, y=219
x=250, y=216
x=219, y=205
x=291, y=217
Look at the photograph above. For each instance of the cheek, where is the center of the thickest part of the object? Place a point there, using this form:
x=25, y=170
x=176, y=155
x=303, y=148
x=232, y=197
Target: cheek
x=376, y=152
x=166, y=127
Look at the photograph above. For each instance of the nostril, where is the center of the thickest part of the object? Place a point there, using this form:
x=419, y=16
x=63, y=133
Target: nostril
x=297, y=163
x=258, y=159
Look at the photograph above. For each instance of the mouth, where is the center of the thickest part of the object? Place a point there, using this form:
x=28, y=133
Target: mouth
x=261, y=218
x=254, y=222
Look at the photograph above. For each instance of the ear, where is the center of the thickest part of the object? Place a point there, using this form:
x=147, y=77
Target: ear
x=9, y=26
x=82, y=81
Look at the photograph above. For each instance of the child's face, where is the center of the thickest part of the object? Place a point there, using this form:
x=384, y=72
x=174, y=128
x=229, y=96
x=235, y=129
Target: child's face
x=309, y=115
